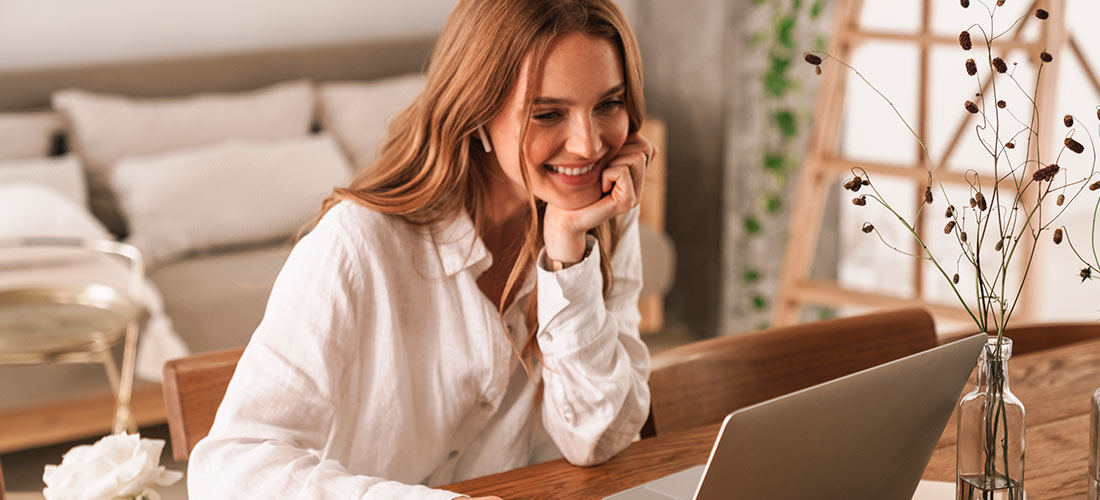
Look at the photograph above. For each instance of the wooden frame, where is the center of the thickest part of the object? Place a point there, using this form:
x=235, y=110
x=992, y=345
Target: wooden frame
x=824, y=165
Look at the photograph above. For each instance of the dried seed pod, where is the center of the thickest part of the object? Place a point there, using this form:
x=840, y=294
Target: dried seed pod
x=1000, y=3
x=950, y=211
x=949, y=227
x=964, y=40
x=1000, y=244
x=928, y=195
x=1074, y=146
x=999, y=65
x=866, y=182
x=1010, y=145
x=868, y=227
x=812, y=58
x=1061, y=199
x=973, y=202
x=1046, y=173
x=1046, y=57
x=1001, y=104
x=817, y=70
x=955, y=279
x=971, y=67
x=1094, y=186
x=962, y=236
x=1086, y=273
x=965, y=3
x=860, y=201
x=1068, y=120
x=1058, y=236
x=980, y=198
x=1042, y=14
x=971, y=107
x=853, y=184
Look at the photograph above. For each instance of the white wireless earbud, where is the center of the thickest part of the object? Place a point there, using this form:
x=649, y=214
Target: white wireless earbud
x=484, y=139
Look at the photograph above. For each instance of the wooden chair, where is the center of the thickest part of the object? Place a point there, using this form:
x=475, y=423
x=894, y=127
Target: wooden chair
x=702, y=382
x=193, y=388
x=1, y=482
x=1034, y=337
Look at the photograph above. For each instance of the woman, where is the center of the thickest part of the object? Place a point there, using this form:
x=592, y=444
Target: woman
x=469, y=304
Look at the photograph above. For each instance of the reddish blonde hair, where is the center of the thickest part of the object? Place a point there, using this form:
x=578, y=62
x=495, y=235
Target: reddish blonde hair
x=430, y=167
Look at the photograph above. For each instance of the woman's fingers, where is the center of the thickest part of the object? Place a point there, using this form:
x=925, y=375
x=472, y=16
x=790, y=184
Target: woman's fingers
x=620, y=197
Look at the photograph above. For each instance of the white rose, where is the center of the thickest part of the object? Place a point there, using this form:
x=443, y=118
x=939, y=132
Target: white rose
x=120, y=466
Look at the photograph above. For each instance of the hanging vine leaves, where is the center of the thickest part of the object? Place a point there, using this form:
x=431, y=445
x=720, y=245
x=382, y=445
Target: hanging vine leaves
x=786, y=122
x=785, y=31
x=775, y=80
x=777, y=43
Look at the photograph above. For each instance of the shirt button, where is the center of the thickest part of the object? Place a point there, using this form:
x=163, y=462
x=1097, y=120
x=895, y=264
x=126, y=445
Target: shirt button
x=547, y=337
x=452, y=455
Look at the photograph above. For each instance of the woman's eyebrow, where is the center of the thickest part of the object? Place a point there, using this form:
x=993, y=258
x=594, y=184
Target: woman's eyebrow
x=558, y=101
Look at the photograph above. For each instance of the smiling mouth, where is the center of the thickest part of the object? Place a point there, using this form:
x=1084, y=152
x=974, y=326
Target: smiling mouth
x=572, y=172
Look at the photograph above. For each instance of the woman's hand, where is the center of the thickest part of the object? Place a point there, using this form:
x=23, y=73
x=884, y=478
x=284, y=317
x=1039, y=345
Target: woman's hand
x=621, y=183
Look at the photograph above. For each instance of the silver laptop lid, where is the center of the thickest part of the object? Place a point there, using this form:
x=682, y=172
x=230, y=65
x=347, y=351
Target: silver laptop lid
x=866, y=435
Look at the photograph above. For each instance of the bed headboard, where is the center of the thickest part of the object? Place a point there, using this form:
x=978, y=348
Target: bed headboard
x=30, y=89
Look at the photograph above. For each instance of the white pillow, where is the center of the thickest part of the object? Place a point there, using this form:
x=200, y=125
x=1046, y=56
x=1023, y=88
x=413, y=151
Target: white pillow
x=28, y=135
x=29, y=209
x=108, y=128
x=359, y=113
x=225, y=194
x=62, y=174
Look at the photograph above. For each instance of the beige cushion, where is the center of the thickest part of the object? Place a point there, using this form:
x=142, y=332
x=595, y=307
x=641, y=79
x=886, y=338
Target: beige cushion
x=28, y=135
x=358, y=114
x=225, y=194
x=107, y=128
x=61, y=174
x=217, y=300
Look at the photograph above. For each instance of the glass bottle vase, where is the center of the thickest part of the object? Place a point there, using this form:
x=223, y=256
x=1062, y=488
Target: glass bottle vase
x=990, y=447
x=1094, y=447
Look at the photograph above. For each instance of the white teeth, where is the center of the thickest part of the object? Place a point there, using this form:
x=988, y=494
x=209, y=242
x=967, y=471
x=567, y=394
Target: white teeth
x=572, y=171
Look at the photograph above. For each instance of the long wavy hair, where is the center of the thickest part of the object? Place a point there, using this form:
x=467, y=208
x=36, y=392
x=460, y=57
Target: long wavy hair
x=431, y=168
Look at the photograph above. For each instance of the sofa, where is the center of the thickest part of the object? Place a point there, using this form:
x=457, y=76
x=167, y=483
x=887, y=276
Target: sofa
x=140, y=130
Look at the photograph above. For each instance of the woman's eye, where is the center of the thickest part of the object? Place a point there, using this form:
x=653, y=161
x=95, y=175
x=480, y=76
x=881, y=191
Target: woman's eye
x=548, y=116
x=612, y=104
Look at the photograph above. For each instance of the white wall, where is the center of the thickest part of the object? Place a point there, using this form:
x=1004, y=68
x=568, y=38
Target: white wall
x=44, y=33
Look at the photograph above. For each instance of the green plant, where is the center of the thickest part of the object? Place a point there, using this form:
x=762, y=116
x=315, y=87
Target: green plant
x=778, y=160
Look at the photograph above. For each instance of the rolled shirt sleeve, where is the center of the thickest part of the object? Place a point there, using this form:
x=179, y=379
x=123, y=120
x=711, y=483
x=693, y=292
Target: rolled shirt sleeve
x=596, y=366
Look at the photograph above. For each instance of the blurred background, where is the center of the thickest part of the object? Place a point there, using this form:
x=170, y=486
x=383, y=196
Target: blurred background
x=727, y=80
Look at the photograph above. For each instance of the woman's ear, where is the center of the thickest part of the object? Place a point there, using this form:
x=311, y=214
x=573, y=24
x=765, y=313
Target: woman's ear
x=484, y=138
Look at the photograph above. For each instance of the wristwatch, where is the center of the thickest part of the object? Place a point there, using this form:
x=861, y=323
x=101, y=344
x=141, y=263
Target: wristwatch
x=555, y=265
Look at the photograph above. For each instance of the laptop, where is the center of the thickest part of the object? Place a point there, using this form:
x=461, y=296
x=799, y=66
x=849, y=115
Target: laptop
x=866, y=435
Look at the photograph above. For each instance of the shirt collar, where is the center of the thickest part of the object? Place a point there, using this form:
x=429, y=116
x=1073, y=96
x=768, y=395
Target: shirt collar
x=459, y=246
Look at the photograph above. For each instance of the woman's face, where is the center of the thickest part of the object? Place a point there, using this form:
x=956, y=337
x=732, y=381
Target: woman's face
x=578, y=122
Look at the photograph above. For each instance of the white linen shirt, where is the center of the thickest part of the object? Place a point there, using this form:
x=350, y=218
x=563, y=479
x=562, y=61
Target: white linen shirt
x=381, y=370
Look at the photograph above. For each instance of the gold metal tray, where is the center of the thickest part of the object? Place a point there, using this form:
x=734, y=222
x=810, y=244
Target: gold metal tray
x=37, y=324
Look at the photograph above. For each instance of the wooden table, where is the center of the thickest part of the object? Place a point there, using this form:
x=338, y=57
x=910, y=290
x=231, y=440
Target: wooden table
x=1055, y=386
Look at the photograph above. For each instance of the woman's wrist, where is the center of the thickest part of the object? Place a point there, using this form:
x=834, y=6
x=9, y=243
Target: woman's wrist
x=564, y=248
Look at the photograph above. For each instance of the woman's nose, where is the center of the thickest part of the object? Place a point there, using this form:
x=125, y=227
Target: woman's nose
x=583, y=138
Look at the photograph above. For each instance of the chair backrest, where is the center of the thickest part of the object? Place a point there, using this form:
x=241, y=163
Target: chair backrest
x=1, y=483
x=1040, y=336
x=702, y=382
x=193, y=389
